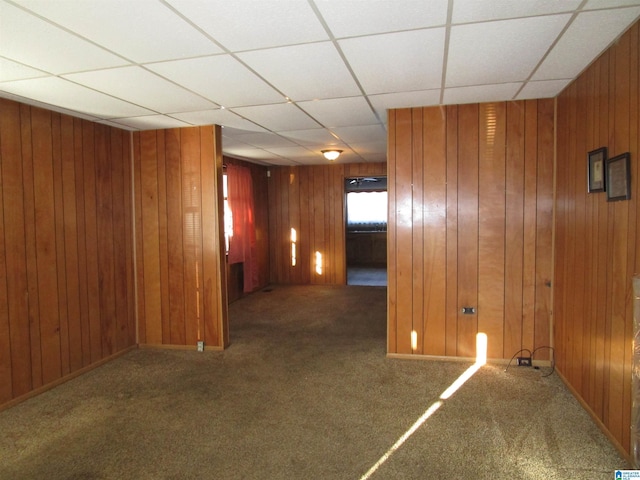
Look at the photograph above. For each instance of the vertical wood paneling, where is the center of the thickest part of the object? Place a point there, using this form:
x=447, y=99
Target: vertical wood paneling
x=592, y=292
x=91, y=240
x=403, y=228
x=13, y=210
x=468, y=223
x=47, y=283
x=6, y=388
x=106, y=250
x=476, y=185
x=163, y=237
x=417, y=237
x=493, y=267
x=151, y=237
x=451, y=334
x=175, y=253
x=185, y=167
x=82, y=250
x=544, y=223
x=392, y=271
x=514, y=226
x=33, y=300
x=60, y=250
x=57, y=276
x=530, y=221
x=311, y=199
x=433, y=220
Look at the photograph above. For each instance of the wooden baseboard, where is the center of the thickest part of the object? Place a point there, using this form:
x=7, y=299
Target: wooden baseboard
x=162, y=346
x=66, y=378
x=596, y=419
x=491, y=361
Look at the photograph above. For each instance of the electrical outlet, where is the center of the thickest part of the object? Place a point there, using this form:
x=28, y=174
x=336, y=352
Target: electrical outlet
x=524, y=361
x=200, y=346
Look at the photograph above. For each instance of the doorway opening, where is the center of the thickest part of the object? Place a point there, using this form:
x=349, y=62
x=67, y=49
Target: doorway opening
x=366, y=230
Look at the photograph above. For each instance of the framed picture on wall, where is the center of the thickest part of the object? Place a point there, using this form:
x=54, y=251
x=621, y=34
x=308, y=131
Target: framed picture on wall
x=618, y=177
x=596, y=170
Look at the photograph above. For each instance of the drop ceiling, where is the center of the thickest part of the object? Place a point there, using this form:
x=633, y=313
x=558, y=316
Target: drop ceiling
x=288, y=78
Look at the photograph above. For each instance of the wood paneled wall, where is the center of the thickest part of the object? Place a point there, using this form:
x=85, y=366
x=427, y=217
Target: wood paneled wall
x=261, y=206
x=596, y=241
x=470, y=224
x=311, y=200
x=181, y=291
x=66, y=252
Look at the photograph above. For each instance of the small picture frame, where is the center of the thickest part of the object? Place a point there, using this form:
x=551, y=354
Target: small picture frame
x=618, y=177
x=596, y=170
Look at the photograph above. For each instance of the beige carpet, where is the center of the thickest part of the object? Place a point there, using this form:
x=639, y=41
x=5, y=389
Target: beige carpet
x=304, y=392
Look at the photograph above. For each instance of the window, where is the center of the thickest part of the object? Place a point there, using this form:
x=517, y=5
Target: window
x=367, y=211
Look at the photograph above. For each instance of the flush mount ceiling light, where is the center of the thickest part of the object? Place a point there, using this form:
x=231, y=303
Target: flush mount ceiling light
x=331, y=154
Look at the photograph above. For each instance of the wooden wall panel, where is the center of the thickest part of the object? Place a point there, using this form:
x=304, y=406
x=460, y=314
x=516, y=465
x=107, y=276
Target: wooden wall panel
x=434, y=216
x=493, y=231
x=468, y=222
x=487, y=175
x=57, y=285
x=178, y=237
x=597, y=241
x=312, y=199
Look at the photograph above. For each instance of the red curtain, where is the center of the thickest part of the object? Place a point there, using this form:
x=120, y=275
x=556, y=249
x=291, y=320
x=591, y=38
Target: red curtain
x=242, y=245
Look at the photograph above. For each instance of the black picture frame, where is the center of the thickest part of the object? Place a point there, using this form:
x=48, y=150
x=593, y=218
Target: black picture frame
x=596, y=174
x=618, y=177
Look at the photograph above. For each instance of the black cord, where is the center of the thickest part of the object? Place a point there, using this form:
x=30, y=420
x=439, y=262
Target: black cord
x=553, y=358
x=514, y=356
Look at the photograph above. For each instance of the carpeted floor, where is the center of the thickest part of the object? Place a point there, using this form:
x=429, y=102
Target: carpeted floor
x=304, y=392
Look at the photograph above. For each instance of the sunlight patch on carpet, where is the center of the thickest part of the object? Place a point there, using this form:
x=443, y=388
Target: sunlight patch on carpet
x=481, y=359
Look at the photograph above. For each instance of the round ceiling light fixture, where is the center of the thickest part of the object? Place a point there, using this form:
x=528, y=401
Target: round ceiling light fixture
x=331, y=154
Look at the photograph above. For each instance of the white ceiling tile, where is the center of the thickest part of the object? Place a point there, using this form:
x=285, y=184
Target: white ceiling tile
x=137, y=85
x=304, y=72
x=36, y=43
x=162, y=35
x=228, y=142
x=248, y=24
x=347, y=18
x=241, y=150
x=151, y=122
x=295, y=153
x=480, y=94
x=220, y=78
x=542, y=89
x=370, y=133
x=56, y=91
x=265, y=140
x=482, y=10
x=369, y=147
x=397, y=61
x=387, y=101
x=10, y=70
x=218, y=117
x=280, y=117
x=313, y=137
x=502, y=51
x=596, y=4
x=576, y=48
x=338, y=112
x=117, y=125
